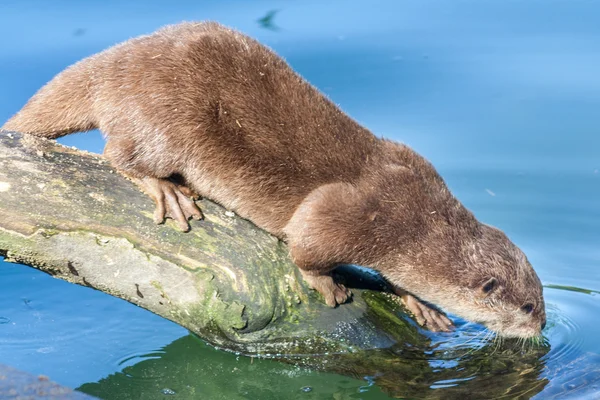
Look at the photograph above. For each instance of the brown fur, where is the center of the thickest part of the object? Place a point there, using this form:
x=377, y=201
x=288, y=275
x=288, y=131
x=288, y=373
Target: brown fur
x=215, y=107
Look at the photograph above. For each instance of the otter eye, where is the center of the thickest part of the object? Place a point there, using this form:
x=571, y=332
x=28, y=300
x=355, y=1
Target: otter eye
x=527, y=308
x=489, y=286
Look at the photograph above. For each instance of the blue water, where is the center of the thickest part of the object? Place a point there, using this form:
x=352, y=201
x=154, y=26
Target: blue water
x=502, y=96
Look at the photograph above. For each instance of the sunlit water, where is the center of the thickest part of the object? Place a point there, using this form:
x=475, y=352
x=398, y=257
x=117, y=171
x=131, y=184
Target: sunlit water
x=502, y=96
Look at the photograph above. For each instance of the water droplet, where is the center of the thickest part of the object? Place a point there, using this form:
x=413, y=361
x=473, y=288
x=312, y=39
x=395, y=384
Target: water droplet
x=306, y=389
x=168, y=392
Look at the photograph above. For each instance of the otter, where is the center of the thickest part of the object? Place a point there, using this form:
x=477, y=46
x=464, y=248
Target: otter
x=201, y=108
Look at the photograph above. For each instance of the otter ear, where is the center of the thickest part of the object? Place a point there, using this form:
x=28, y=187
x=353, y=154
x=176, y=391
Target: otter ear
x=488, y=287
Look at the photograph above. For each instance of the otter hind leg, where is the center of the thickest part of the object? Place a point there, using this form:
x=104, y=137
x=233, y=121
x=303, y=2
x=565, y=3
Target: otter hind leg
x=333, y=292
x=172, y=200
x=426, y=316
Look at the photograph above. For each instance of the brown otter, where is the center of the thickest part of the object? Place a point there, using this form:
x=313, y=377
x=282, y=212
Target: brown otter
x=236, y=124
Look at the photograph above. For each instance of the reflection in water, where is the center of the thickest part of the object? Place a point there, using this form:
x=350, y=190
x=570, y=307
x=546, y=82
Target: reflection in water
x=193, y=370
x=491, y=371
x=190, y=368
x=463, y=364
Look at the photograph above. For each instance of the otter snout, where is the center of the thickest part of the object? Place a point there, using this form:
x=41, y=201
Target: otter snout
x=522, y=322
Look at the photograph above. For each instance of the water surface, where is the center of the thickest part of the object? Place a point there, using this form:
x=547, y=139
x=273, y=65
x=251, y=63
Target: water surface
x=502, y=96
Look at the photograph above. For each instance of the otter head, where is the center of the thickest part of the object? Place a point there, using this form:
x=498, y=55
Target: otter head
x=505, y=292
x=485, y=279
x=439, y=252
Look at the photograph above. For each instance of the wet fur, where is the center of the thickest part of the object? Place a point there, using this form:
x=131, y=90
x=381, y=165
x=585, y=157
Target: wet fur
x=213, y=106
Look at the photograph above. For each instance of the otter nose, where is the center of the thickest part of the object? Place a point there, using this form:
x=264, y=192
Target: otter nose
x=543, y=325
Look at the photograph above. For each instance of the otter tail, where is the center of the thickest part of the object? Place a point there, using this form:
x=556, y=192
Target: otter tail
x=61, y=107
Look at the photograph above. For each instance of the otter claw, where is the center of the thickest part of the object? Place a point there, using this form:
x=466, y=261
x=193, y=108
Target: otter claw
x=334, y=293
x=426, y=316
x=172, y=201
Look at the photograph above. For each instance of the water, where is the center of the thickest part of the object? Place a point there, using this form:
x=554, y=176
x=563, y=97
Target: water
x=502, y=96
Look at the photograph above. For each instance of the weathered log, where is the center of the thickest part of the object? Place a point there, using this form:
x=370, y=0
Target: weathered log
x=68, y=213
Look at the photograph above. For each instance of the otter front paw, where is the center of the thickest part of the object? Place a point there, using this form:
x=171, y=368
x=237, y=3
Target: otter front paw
x=172, y=201
x=334, y=293
x=426, y=316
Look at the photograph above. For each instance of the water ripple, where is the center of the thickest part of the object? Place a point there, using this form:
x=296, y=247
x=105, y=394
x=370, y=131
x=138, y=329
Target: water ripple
x=565, y=332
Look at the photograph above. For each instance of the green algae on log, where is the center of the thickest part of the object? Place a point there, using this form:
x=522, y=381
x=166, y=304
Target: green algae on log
x=68, y=213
